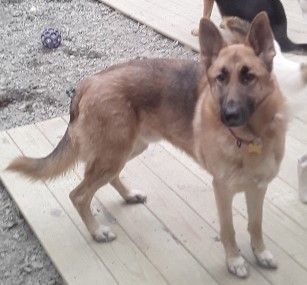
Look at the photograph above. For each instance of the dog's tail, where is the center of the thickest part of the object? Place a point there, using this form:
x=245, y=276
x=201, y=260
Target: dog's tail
x=287, y=45
x=60, y=160
x=56, y=163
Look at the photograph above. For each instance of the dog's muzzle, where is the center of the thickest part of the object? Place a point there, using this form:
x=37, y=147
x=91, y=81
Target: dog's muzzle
x=233, y=114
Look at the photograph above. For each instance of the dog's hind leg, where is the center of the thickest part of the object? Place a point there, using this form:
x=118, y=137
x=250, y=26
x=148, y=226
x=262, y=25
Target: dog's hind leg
x=254, y=201
x=131, y=196
x=235, y=262
x=96, y=175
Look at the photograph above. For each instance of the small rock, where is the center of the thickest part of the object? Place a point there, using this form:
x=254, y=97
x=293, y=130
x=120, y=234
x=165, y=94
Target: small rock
x=143, y=41
x=16, y=236
x=33, y=9
x=30, y=17
x=16, y=14
x=22, y=107
x=27, y=268
x=51, y=282
x=9, y=225
x=37, y=264
x=217, y=239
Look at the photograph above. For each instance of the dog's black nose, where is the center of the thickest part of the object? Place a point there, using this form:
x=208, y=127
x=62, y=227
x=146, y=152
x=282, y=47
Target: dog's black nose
x=232, y=114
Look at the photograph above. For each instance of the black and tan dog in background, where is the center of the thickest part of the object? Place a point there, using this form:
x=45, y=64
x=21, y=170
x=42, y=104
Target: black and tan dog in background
x=226, y=112
x=248, y=9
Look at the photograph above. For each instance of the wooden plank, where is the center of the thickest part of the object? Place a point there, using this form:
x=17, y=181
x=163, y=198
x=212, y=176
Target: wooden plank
x=160, y=246
x=283, y=197
x=288, y=170
x=58, y=235
x=164, y=21
x=297, y=26
x=297, y=130
x=122, y=257
x=200, y=199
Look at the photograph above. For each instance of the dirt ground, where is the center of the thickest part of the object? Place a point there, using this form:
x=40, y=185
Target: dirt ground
x=33, y=82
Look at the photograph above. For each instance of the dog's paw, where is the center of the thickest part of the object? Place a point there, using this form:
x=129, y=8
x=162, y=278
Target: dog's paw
x=136, y=197
x=103, y=234
x=266, y=259
x=195, y=32
x=238, y=266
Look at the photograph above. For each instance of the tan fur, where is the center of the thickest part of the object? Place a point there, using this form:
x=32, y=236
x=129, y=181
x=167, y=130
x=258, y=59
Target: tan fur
x=234, y=29
x=58, y=162
x=116, y=113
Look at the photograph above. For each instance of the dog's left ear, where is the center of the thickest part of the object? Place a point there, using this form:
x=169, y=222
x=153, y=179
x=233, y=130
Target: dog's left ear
x=260, y=38
x=210, y=41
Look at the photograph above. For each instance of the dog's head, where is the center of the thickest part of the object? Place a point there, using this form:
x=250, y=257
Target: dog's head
x=239, y=75
x=234, y=29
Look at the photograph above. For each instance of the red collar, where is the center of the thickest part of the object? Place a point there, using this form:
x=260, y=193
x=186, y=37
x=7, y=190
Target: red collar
x=239, y=141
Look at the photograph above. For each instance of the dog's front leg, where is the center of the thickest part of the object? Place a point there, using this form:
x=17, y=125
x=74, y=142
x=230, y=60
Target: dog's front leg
x=131, y=197
x=235, y=262
x=254, y=200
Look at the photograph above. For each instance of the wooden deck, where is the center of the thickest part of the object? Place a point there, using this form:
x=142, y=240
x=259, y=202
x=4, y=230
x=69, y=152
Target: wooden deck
x=173, y=238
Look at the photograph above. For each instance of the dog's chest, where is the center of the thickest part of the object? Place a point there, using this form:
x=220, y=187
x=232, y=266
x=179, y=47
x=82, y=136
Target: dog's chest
x=239, y=168
x=257, y=169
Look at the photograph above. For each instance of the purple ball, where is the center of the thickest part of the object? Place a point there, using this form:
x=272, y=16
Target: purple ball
x=51, y=38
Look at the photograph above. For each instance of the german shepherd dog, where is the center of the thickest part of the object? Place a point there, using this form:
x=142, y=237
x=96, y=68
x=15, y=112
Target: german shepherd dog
x=226, y=112
x=248, y=9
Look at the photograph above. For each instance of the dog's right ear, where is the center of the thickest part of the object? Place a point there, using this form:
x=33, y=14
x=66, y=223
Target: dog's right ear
x=261, y=39
x=210, y=41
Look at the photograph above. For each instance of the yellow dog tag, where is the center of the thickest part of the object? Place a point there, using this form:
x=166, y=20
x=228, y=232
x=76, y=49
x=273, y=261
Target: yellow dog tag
x=254, y=148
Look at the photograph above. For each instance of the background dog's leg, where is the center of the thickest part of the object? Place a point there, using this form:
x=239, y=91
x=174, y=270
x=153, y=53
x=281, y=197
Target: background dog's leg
x=96, y=175
x=254, y=200
x=207, y=10
x=302, y=178
x=208, y=6
x=129, y=195
x=235, y=262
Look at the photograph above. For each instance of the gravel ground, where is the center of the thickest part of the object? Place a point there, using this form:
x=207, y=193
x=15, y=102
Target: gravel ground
x=33, y=82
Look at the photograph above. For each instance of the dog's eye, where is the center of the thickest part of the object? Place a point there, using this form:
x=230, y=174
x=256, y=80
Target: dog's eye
x=246, y=76
x=222, y=76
